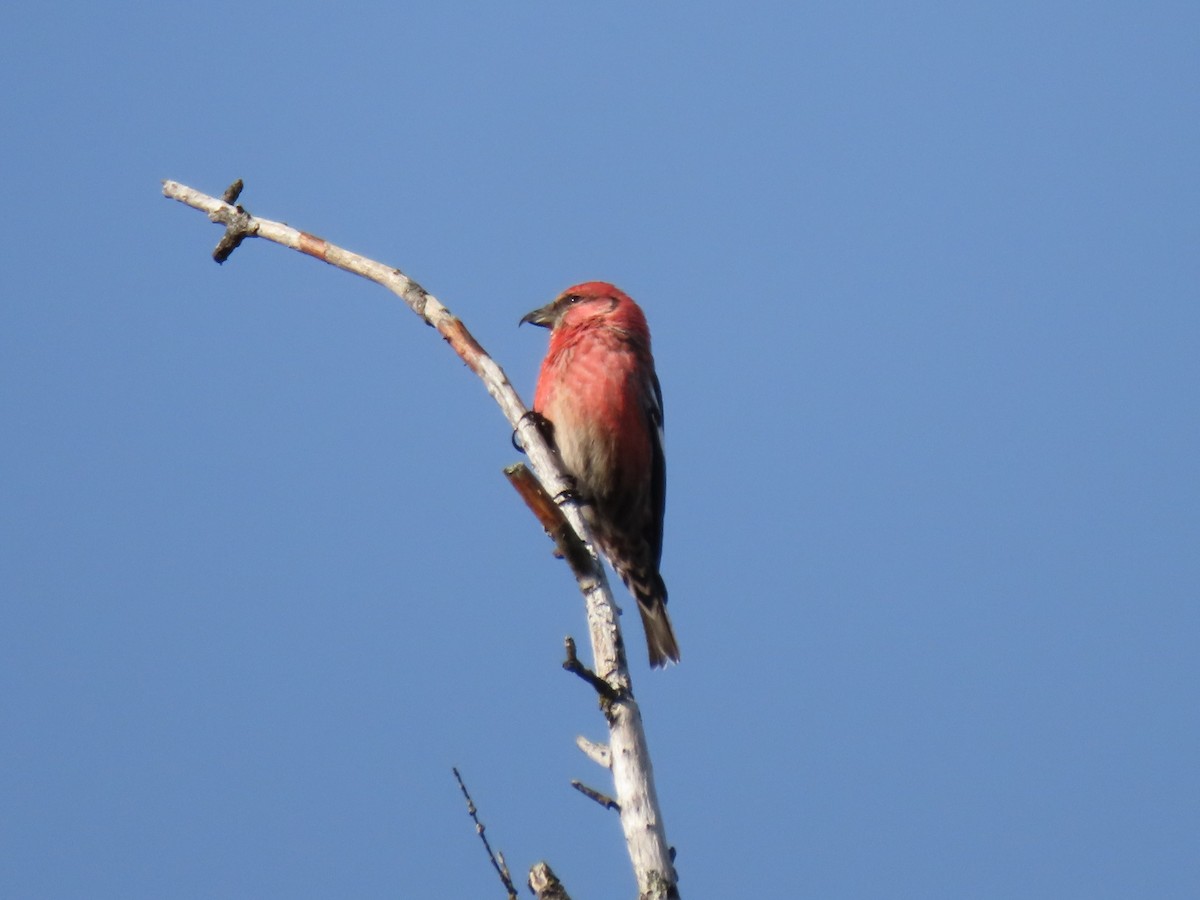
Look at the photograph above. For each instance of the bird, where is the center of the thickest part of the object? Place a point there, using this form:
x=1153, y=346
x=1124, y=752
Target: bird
x=600, y=402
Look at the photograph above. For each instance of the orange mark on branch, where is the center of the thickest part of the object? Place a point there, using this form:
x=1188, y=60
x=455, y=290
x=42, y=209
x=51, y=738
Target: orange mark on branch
x=453, y=330
x=313, y=245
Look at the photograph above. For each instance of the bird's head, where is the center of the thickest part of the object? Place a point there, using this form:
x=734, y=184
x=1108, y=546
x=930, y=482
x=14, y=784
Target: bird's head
x=588, y=304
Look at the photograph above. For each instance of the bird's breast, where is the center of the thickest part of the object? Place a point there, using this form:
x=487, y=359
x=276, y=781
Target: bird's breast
x=590, y=392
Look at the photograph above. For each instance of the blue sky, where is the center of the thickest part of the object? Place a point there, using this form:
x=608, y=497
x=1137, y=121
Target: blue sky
x=923, y=283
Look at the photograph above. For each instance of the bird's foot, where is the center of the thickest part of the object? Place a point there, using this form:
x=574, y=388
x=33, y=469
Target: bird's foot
x=540, y=422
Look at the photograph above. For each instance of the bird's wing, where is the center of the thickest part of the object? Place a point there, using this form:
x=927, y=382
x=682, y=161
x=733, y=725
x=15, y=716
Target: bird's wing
x=658, y=468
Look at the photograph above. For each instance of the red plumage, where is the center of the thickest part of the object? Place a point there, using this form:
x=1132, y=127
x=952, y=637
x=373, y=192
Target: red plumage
x=599, y=392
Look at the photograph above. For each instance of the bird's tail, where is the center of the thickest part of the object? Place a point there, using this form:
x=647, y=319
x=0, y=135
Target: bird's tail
x=660, y=636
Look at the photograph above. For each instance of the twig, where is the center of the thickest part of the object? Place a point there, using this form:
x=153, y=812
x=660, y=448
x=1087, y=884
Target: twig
x=497, y=863
x=597, y=753
x=573, y=665
x=233, y=192
x=603, y=799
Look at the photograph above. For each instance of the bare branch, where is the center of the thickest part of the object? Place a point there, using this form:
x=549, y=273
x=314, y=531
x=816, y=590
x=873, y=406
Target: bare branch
x=603, y=799
x=597, y=753
x=572, y=664
x=633, y=777
x=420, y=301
x=233, y=192
x=497, y=858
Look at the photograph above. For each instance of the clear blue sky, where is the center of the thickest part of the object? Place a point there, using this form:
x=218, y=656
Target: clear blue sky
x=925, y=290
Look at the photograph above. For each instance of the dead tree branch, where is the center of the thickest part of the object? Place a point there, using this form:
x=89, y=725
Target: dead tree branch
x=633, y=777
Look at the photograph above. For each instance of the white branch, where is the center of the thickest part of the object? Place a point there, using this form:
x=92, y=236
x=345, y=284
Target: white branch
x=597, y=753
x=633, y=777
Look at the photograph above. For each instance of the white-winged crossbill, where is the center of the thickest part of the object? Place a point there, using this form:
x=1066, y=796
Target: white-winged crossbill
x=599, y=394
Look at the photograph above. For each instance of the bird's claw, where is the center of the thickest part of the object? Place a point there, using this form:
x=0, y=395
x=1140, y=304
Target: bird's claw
x=540, y=422
x=568, y=494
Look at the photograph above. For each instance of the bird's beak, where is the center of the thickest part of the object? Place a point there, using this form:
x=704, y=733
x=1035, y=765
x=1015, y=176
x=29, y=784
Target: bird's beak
x=543, y=316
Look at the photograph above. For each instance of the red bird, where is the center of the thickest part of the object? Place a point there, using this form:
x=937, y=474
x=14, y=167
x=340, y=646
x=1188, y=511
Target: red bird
x=599, y=394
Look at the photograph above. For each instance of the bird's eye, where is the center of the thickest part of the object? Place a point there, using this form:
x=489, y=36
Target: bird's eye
x=572, y=298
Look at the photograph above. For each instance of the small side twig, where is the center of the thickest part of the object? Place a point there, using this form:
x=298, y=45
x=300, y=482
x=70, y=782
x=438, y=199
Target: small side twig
x=233, y=192
x=572, y=664
x=603, y=799
x=600, y=754
x=497, y=858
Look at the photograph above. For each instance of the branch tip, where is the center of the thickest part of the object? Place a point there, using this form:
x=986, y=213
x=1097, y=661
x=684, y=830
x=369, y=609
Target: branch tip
x=600, y=754
x=545, y=884
x=233, y=192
